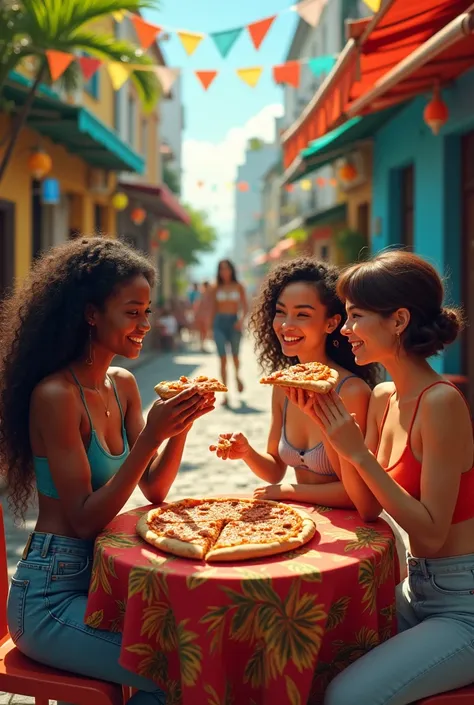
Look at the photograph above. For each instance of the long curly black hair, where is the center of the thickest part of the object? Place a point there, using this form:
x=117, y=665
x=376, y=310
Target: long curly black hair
x=324, y=278
x=43, y=329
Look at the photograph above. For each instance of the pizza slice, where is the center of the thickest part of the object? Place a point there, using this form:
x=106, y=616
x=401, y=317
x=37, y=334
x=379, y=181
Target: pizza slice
x=187, y=539
x=223, y=444
x=167, y=390
x=312, y=376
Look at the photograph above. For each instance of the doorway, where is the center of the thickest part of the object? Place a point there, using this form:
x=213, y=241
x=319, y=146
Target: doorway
x=467, y=255
x=7, y=233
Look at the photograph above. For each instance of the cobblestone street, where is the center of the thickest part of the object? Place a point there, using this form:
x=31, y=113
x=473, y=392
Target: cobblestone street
x=201, y=472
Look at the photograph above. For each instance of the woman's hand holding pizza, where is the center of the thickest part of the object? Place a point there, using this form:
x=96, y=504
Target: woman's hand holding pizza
x=340, y=427
x=231, y=446
x=176, y=415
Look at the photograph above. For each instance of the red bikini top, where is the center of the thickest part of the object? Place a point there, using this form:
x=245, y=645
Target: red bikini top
x=407, y=470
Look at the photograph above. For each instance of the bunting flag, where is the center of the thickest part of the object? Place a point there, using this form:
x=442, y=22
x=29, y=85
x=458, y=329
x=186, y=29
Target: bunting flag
x=89, y=66
x=289, y=73
x=206, y=78
x=311, y=10
x=305, y=185
x=58, y=62
x=224, y=41
x=119, y=73
x=119, y=15
x=258, y=30
x=166, y=76
x=321, y=64
x=250, y=76
x=190, y=41
x=373, y=5
x=146, y=32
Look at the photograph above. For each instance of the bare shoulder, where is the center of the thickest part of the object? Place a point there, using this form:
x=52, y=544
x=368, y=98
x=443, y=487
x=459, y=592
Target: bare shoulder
x=450, y=400
x=382, y=391
x=355, y=388
x=54, y=391
x=125, y=381
x=278, y=397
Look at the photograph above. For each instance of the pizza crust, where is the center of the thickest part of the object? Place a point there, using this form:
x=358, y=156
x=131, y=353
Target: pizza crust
x=210, y=385
x=185, y=549
x=321, y=386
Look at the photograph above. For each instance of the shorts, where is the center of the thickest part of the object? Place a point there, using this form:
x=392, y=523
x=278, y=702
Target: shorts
x=225, y=333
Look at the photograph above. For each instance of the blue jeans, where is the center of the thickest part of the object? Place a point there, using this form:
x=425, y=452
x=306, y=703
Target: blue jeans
x=46, y=608
x=225, y=333
x=434, y=649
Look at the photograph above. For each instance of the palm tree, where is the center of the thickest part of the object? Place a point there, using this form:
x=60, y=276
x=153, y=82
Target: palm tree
x=30, y=27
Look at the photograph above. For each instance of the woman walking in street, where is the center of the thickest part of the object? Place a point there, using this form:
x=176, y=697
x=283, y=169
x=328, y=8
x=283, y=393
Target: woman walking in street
x=72, y=428
x=229, y=302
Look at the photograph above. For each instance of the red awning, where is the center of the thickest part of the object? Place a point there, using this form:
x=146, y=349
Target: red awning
x=399, y=53
x=159, y=200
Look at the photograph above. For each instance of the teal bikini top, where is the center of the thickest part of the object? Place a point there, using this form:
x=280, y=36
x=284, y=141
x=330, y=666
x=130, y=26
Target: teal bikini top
x=103, y=465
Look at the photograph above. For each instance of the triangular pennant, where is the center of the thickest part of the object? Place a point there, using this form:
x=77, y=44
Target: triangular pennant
x=89, y=66
x=146, y=32
x=250, y=76
x=321, y=64
x=190, y=41
x=224, y=41
x=206, y=78
x=310, y=10
x=119, y=73
x=58, y=62
x=288, y=73
x=373, y=5
x=258, y=30
x=118, y=15
x=166, y=77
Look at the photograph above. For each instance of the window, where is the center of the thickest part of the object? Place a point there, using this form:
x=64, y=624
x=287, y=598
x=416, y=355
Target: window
x=117, y=112
x=131, y=132
x=324, y=253
x=144, y=138
x=92, y=86
x=363, y=225
x=407, y=193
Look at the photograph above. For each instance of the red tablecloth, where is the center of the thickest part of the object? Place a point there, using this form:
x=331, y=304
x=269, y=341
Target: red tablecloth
x=272, y=631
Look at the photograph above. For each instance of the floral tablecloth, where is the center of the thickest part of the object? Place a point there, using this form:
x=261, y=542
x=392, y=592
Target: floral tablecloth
x=261, y=632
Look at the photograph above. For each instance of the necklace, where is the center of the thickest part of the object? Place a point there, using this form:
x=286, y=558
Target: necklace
x=106, y=404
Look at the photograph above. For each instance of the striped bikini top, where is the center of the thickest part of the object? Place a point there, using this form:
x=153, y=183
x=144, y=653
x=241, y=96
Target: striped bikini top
x=314, y=459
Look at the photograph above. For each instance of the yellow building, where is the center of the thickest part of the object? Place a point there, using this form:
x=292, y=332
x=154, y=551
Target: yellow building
x=92, y=142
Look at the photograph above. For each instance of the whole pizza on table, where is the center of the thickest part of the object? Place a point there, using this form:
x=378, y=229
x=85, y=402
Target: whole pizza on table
x=312, y=376
x=226, y=529
x=203, y=384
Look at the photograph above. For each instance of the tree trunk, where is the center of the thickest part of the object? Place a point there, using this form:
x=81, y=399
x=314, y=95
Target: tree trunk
x=19, y=122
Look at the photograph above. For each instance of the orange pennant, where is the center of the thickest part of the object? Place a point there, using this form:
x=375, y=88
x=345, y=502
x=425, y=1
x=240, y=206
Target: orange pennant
x=258, y=30
x=146, y=32
x=58, y=62
x=206, y=78
x=288, y=73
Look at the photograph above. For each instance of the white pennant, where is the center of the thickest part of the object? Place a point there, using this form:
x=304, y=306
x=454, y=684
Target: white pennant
x=166, y=76
x=310, y=10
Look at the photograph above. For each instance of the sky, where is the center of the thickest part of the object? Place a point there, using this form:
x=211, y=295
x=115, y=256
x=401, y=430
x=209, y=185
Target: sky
x=219, y=121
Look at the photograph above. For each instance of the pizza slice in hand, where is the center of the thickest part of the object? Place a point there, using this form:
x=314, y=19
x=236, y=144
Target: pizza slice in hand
x=203, y=384
x=312, y=376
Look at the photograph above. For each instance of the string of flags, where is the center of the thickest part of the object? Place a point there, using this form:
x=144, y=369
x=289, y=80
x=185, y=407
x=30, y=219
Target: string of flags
x=245, y=187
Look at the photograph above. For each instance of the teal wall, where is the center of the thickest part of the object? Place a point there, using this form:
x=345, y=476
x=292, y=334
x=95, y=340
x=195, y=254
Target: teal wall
x=437, y=162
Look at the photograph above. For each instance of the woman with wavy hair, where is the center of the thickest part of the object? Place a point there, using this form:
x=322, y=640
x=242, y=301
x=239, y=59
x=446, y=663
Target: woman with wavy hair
x=298, y=318
x=416, y=462
x=72, y=428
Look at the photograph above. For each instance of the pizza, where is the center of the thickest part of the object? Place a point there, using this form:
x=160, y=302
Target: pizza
x=312, y=376
x=167, y=390
x=226, y=529
x=222, y=444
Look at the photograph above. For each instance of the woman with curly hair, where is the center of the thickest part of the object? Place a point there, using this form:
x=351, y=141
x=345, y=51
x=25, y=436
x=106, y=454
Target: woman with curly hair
x=298, y=318
x=72, y=427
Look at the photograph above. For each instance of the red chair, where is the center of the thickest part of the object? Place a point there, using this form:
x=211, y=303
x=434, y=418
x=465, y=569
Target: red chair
x=462, y=696
x=22, y=676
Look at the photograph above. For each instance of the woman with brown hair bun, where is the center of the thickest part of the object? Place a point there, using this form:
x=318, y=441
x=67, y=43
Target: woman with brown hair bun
x=416, y=462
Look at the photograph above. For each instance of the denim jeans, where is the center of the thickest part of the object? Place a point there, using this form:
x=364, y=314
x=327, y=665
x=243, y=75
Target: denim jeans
x=225, y=333
x=434, y=649
x=46, y=608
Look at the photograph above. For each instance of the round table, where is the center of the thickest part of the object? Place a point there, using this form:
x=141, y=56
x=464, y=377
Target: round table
x=260, y=632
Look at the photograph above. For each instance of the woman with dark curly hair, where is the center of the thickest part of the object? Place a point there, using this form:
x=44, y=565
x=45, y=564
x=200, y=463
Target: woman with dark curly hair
x=72, y=426
x=298, y=318
x=416, y=462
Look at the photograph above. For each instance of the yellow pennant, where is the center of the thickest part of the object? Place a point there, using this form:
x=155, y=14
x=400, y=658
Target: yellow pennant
x=306, y=184
x=118, y=15
x=190, y=41
x=250, y=76
x=119, y=73
x=373, y=5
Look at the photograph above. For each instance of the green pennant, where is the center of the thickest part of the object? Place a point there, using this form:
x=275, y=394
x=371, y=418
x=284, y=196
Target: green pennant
x=321, y=64
x=224, y=41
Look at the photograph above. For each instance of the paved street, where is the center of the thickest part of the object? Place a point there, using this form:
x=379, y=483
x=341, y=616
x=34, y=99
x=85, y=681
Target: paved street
x=201, y=472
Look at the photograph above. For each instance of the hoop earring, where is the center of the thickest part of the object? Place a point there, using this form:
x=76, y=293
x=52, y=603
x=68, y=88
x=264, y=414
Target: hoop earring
x=335, y=342
x=90, y=357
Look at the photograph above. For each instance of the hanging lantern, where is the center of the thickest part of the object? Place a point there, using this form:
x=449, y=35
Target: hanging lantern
x=39, y=164
x=348, y=172
x=120, y=201
x=163, y=235
x=138, y=216
x=436, y=113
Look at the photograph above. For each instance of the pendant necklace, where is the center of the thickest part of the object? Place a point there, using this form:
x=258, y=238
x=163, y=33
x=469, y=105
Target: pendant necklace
x=106, y=405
